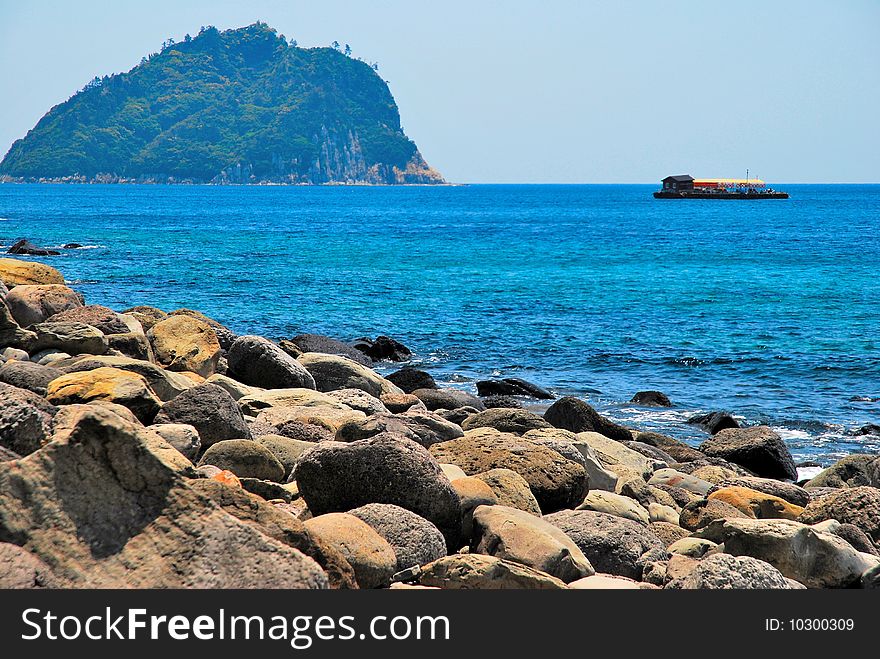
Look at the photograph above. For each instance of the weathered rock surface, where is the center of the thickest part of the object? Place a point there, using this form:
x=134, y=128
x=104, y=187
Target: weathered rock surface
x=448, y=399
x=514, y=421
x=757, y=504
x=674, y=478
x=722, y=571
x=225, y=336
x=510, y=489
x=556, y=482
x=512, y=387
x=415, y=540
x=31, y=304
x=15, y=272
x=286, y=450
x=11, y=334
x=336, y=476
x=701, y=513
x=26, y=420
x=27, y=375
x=101, y=318
x=210, y=410
x=112, y=385
x=399, y=403
x=680, y=451
x=425, y=428
x=165, y=384
x=758, y=449
x=360, y=400
x=851, y=471
x=615, y=504
x=326, y=345
x=104, y=505
x=368, y=553
x=183, y=437
x=20, y=570
x=258, y=362
x=515, y=535
x=477, y=571
x=245, y=458
x=72, y=338
x=184, y=343
x=795, y=495
x=573, y=414
x=409, y=379
x=859, y=506
x=613, y=545
x=332, y=372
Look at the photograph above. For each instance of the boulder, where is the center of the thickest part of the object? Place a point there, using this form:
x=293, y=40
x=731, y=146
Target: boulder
x=494, y=402
x=145, y=315
x=184, y=343
x=233, y=387
x=210, y=410
x=27, y=247
x=671, y=477
x=509, y=420
x=555, y=481
x=15, y=272
x=258, y=362
x=653, y=453
x=692, y=547
x=383, y=348
x=448, y=399
x=368, y=553
x=722, y=571
x=331, y=372
x=510, y=489
x=279, y=525
x=757, y=504
x=851, y=471
x=512, y=387
x=612, y=544
x=514, y=535
x=679, y=451
x=183, y=437
x=72, y=338
x=651, y=398
x=225, y=336
x=565, y=442
x=245, y=458
x=26, y=420
x=480, y=572
x=645, y=494
x=859, y=506
x=615, y=504
x=577, y=416
x=135, y=345
x=790, y=492
x=112, y=385
x=714, y=422
x=11, y=333
x=616, y=455
x=304, y=432
x=800, y=552
x=330, y=417
x=703, y=512
x=252, y=404
x=287, y=451
x=472, y=492
x=335, y=477
x=27, y=375
x=410, y=379
x=106, y=506
x=360, y=400
x=30, y=305
x=758, y=449
x=855, y=536
x=415, y=540
x=102, y=318
x=398, y=403
x=668, y=533
x=165, y=384
x=328, y=346
x=425, y=428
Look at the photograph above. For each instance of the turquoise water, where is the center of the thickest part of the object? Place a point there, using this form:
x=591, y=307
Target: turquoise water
x=768, y=309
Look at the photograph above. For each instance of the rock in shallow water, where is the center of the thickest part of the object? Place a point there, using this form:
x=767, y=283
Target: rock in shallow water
x=651, y=398
x=714, y=422
x=410, y=379
x=512, y=387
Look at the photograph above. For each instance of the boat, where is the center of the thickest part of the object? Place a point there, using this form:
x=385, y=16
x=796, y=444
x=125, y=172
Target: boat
x=685, y=186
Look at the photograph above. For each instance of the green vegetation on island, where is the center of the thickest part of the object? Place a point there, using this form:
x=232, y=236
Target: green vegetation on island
x=240, y=106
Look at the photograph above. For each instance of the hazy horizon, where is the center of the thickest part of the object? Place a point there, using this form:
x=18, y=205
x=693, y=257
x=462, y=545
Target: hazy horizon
x=528, y=92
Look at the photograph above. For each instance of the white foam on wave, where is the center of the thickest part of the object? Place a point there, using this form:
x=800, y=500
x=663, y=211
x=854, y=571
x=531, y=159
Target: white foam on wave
x=806, y=473
x=790, y=434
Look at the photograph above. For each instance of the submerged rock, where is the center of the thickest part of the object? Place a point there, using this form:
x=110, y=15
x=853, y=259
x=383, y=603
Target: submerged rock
x=651, y=399
x=714, y=422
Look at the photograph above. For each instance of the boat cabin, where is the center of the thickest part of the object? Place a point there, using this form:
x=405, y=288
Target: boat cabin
x=679, y=183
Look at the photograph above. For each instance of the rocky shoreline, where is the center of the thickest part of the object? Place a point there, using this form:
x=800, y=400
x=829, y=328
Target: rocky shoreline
x=145, y=449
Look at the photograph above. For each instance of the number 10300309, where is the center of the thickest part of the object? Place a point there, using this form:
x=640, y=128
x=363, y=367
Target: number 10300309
x=810, y=624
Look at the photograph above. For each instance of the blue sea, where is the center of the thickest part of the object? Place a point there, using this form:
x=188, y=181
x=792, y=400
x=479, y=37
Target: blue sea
x=766, y=309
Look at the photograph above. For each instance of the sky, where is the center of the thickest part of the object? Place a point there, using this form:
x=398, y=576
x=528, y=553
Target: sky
x=530, y=91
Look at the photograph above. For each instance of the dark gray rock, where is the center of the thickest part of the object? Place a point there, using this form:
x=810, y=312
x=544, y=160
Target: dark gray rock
x=650, y=452
x=245, y=458
x=26, y=420
x=448, y=399
x=495, y=402
x=680, y=451
x=573, y=414
x=425, y=428
x=321, y=343
x=856, y=537
x=27, y=248
x=612, y=544
x=722, y=571
x=336, y=477
x=383, y=348
x=458, y=415
x=258, y=362
x=70, y=337
x=512, y=387
x=758, y=449
x=306, y=432
x=859, y=506
x=410, y=379
x=27, y=375
x=415, y=540
x=714, y=422
x=210, y=410
x=651, y=399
